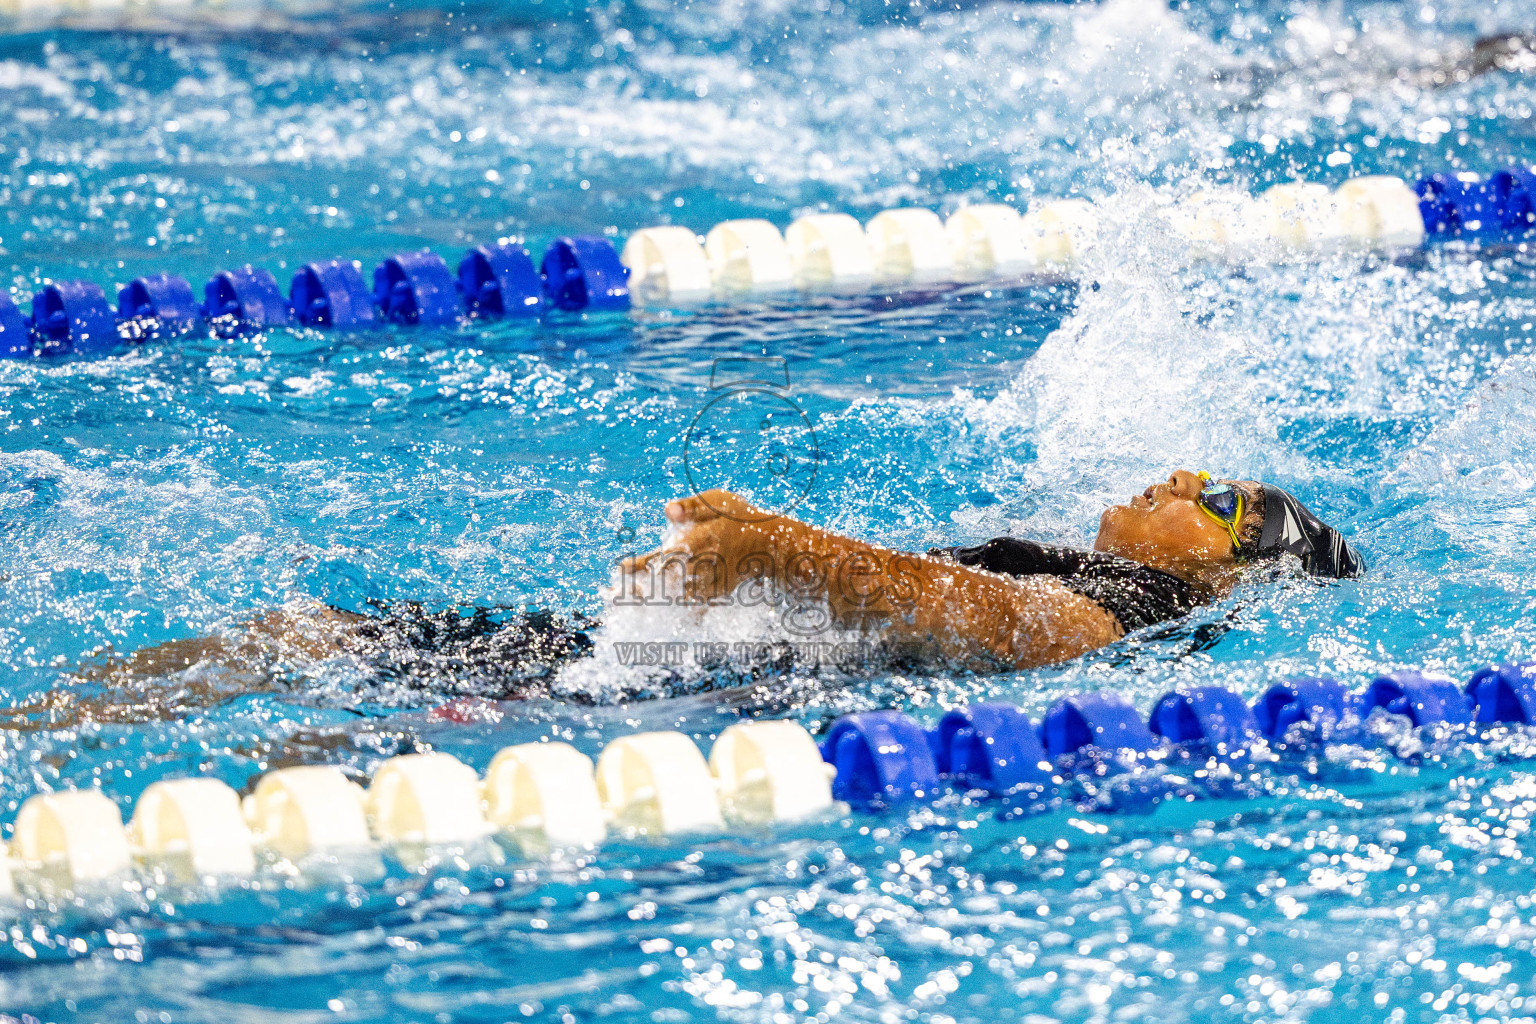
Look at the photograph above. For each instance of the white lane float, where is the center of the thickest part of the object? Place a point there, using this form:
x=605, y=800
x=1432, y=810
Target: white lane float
x=428, y=799
x=547, y=791
x=196, y=821
x=829, y=251
x=987, y=240
x=748, y=257
x=1060, y=233
x=770, y=771
x=1220, y=225
x=305, y=810
x=658, y=782
x=77, y=835
x=1303, y=216
x=667, y=266
x=909, y=246
x=1380, y=211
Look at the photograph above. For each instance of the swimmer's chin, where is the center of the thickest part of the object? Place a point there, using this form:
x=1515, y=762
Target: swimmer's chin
x=1121, y=529
x=1109, y=520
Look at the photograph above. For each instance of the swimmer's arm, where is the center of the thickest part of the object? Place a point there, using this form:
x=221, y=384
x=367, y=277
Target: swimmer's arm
x=717, y=543
x=145, y=686
x=304, y=630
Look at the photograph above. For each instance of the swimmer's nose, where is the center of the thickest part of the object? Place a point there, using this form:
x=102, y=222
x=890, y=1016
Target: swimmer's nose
x=1184, y=484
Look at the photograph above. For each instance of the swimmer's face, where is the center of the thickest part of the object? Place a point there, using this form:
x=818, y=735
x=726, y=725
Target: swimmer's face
x=1164, y=528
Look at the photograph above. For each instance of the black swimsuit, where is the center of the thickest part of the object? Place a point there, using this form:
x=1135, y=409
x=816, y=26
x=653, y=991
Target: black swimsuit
x=486, y=652
x=512, y=655
x=1133, y=593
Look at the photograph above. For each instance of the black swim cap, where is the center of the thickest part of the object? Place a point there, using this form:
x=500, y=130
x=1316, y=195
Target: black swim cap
x=1289, y=526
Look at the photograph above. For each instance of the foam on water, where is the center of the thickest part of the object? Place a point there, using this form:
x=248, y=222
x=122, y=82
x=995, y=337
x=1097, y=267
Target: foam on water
x=1134, y=384
x=1491, y=423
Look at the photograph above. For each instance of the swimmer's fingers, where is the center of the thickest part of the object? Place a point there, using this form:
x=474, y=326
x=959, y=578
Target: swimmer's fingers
x=675, y=575
x=663, y=571
x=633, y=574
x=692, y=509
x=637, y=563
x=714, y=504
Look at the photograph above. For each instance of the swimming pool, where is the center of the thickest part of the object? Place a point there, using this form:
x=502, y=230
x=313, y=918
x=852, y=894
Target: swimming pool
x=171, y=489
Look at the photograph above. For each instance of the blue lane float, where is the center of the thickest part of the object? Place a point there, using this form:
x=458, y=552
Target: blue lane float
x=1460, y=207
x=1504, y=693
x=245, y=299
x=73, y=316
x=160, y=305
x=500, y=280
x=1503, y=205
x=1321, y=702
x=1423, y=698
x=331, y=294
x=1101, y=719
x=1213, y=716
x=584, y=272
x=990, y=746
x=15, y=336
x=580, y=272
x=1514, y=190
x=880, y=757
x=416, y=288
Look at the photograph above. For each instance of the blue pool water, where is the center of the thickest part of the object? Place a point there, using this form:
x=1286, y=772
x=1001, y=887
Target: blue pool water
x=171, y=490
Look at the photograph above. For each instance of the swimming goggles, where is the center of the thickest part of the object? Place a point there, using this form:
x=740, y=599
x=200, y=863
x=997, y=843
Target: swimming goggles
x=1223, y=503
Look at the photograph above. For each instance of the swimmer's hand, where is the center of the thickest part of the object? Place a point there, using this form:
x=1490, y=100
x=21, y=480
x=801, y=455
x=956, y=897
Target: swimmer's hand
x=714, y=541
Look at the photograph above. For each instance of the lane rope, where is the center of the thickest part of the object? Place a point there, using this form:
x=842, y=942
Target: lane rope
x=548, y=795
x=738, y=260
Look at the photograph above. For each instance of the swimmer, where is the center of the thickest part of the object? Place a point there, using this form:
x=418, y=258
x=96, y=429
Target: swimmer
x=1009, y=603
